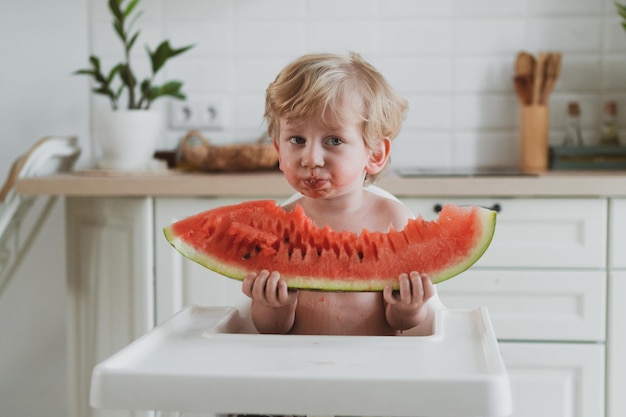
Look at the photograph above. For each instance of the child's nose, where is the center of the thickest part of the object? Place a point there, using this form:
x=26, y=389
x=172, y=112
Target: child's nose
x=313, y=156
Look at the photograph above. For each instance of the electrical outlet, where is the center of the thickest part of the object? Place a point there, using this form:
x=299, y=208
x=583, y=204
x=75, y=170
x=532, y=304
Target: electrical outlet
x=197, y=114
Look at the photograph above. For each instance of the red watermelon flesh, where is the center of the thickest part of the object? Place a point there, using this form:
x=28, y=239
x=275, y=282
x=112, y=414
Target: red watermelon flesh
x=252, y=236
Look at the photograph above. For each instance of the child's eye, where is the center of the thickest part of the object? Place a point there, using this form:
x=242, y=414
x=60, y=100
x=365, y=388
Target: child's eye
x=296, y=140
x=334, y=141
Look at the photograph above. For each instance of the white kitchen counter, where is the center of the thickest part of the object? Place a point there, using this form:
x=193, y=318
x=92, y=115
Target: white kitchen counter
x=180, y=184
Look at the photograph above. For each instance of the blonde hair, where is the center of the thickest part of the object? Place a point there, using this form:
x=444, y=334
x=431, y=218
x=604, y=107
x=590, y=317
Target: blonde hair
x=315, y=86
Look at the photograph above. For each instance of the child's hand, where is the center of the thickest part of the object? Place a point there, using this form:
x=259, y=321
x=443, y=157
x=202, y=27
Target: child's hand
x=406, y=307
x=268, y=289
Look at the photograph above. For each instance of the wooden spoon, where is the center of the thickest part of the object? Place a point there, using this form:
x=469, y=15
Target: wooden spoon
x=553, y=70
x=539, y=77
x=524, y=64
x=524, y=74
x=523, y=88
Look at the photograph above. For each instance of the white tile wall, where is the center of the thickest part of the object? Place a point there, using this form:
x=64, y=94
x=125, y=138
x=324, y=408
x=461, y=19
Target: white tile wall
x=452, y=59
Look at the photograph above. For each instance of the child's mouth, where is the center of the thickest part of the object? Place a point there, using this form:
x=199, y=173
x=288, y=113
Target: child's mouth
x=314, y=183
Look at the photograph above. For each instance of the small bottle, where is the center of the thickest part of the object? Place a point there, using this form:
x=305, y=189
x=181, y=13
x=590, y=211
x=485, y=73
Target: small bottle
x=609, y=135
x=573, y=135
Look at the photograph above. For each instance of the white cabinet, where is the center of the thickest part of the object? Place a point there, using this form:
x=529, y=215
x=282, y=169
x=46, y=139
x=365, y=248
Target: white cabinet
x=538, y=233
x=544, y=275
x=617, y=234
x=616, y=345
x=550, y=379
x=616, y=335
x=534, y=304
x=110, y=284
x=544, y=282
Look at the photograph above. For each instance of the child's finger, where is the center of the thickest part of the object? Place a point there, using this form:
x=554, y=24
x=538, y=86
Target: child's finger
x=258, y=289
x=406, y=288
x=388, y=294
x=272, y=287
x=417, y=287
x=429, y=287
x=248, y=283
x=285, y=295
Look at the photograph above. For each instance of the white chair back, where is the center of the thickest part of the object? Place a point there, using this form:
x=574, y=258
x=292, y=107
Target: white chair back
x=48, y=156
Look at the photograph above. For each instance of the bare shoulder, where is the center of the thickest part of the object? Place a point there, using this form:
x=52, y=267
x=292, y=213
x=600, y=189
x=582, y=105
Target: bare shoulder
x=394, y=212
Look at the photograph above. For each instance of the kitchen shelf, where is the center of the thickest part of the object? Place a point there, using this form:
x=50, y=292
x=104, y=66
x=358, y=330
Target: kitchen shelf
x=590, y=157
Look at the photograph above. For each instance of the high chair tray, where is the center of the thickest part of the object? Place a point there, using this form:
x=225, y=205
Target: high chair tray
x=198, y=362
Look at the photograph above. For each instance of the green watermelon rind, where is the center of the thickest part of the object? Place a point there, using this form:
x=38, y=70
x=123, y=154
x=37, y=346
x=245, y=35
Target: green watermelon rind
x=488, y=224
x=489, y=228
x=203, y=259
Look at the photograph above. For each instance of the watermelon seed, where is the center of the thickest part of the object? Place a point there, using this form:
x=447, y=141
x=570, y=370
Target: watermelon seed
x=257, y=248
x=360, y=255
x=246, y=256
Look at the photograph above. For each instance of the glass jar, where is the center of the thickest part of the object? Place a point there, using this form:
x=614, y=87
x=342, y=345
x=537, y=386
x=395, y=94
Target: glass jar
x=609, y=133
x=573, y=135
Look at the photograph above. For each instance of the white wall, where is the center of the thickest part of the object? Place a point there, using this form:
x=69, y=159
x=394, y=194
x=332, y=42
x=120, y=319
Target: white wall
x=41, y=43
x=453, y=59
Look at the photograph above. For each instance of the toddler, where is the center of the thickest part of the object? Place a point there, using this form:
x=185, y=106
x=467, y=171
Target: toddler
x=332, y=119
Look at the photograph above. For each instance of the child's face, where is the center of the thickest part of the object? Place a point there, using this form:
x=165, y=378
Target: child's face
x=324, y=162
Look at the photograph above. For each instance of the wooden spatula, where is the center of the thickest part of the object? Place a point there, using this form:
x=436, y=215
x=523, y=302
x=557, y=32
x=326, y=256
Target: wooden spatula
x=524, y=64
x=539, y=77
x=553, y=70
x=524, y=74
x=523, y=89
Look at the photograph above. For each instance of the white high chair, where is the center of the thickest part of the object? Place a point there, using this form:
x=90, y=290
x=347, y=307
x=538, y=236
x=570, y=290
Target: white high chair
x=208, y=360
x=47, y=156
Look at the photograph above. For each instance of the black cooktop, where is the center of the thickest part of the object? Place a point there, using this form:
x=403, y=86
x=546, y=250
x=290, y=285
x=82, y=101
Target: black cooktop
x=460, y=172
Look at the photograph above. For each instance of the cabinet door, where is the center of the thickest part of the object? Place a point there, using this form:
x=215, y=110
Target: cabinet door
x=617, y=233
x=534, y=304
x=550, y=233
x=616, y=346
x=551, y=380
x=179, y=281
x=110, y=279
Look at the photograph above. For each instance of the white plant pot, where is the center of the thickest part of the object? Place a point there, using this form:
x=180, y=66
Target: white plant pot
x=127, y=138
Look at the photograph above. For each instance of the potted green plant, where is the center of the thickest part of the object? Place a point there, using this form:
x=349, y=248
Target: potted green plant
x=621, y=11
x=126, y=133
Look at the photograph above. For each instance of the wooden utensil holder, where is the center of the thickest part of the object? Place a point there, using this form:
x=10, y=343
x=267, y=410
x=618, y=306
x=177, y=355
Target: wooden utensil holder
x=534, y=132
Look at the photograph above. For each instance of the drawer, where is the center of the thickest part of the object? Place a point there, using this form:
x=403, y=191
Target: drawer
x=534, y=304
x=543, y=233
x=617, y=233
x=550, y=379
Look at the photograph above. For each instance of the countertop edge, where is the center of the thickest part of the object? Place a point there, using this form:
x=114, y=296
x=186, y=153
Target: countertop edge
x=264, y=184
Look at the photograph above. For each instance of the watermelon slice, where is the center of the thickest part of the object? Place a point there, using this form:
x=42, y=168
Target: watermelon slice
x=252, y=236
